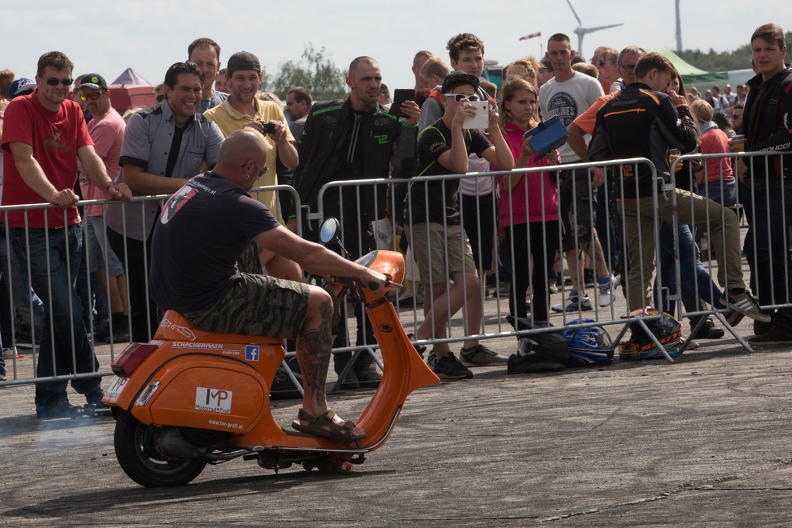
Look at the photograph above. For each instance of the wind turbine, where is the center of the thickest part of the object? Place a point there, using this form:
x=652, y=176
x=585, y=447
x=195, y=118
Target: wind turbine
x=678, y=28
x=581, y=30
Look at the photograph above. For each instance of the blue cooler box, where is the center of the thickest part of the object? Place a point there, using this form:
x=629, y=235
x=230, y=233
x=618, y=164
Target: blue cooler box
x=547, y=135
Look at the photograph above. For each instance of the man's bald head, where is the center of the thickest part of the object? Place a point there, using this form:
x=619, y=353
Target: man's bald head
x=358, y=61
x=239, y=145
x=236, y=154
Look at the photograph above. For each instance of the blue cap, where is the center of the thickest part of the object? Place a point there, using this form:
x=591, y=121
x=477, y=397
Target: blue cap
x=21, y=86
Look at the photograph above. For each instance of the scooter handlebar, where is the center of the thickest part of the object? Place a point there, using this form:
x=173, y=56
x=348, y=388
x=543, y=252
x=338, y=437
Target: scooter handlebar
x=354, y=281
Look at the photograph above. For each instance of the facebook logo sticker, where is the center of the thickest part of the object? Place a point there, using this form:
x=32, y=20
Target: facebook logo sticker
x=251, y=353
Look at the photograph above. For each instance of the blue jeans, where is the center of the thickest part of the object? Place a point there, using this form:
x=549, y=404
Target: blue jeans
x=691, y=270
x=767, y=247
x=54, y=259
x=22, y=297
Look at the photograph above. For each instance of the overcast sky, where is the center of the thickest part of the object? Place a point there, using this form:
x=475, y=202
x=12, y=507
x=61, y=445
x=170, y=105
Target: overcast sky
x=107, y=37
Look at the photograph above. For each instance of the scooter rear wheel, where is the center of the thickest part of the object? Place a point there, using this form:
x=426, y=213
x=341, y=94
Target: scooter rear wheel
x=134, y=447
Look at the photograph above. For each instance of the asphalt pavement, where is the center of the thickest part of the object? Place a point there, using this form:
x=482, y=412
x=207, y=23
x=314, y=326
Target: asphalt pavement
x=701, y=442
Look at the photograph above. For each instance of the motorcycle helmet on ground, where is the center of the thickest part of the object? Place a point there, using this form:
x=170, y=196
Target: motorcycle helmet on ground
x=542, y=352
x=588, y=345
x=666, y=329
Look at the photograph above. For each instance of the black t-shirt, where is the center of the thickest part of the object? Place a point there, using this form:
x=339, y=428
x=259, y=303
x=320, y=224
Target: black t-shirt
x=202, y=230
x=432, y=143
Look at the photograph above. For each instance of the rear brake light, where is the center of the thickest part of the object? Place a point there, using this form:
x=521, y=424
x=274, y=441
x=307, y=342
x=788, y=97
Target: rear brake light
x=131, y=358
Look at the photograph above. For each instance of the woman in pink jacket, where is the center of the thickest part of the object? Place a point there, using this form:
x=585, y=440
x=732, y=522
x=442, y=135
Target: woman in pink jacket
x=528, y=204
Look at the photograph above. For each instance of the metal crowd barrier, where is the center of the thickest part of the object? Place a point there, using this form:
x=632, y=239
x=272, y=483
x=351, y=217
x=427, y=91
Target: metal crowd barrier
x=769, y=284
x=364, y=204
x=365, y=219
x=23, y=312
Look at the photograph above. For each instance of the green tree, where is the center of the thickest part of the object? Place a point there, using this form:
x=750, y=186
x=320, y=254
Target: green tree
x=315, y=71
x=714, y=61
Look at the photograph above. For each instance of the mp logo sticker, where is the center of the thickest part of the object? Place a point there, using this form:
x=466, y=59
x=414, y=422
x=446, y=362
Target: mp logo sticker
x=214, y=400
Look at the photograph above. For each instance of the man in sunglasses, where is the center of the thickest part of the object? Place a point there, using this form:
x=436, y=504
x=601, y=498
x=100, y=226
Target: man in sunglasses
x=218, y=296
x=45, y=133
x=442, y=248
x=107, y=132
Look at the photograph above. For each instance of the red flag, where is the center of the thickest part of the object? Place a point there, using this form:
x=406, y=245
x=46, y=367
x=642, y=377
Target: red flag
x=531, y=35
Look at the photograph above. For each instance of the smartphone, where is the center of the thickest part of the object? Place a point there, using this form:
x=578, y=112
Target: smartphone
x=400, y=95
x=481, y=119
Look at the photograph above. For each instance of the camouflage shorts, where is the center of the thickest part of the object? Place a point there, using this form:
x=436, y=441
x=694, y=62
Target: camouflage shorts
x=256, y=305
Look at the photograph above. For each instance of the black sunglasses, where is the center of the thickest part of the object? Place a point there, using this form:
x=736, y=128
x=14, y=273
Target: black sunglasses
x=53, y=81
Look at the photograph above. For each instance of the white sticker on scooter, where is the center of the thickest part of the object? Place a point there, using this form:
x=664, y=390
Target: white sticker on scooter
x=213, y=400
x=117, y=386
x=251, y=352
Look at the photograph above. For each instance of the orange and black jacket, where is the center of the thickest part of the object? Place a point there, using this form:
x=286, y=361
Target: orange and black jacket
x=641, y=123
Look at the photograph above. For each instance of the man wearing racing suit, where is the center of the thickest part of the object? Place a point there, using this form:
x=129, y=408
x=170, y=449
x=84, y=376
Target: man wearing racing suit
x=644, y=122
x=351, y=140
x=767, y=125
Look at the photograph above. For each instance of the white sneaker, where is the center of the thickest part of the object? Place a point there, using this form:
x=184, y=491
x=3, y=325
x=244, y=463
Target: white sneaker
x=573, y=303
x=606, y=293
x=11, y=353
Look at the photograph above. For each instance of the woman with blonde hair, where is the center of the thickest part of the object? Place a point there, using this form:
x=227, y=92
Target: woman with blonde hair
x=528, y=203
x=715, y=178
x=608, y=70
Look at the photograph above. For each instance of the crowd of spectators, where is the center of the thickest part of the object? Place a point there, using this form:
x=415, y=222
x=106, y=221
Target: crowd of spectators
x=459, y=235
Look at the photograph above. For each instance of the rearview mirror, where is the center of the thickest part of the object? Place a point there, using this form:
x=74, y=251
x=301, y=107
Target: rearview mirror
x=330, y=230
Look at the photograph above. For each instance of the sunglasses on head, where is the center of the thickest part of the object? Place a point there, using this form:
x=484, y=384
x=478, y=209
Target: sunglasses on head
x=53, y=81
x=93, y=96
x=458, y=97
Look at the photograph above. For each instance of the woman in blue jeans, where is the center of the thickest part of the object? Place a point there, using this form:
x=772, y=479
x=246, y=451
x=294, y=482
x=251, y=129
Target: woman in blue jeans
x=691, y=270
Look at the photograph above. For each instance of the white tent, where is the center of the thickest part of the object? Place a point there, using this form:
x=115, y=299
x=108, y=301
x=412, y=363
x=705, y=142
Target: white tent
x=130, y=76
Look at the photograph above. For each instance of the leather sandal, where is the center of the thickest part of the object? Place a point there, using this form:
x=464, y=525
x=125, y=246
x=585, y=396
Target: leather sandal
x=316, y=425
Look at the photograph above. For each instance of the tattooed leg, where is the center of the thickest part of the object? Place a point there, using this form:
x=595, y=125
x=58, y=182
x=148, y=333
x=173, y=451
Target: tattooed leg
x=313, y=353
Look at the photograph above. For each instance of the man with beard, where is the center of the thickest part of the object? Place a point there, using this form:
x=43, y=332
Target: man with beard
x=244, y=109
x=349, y=140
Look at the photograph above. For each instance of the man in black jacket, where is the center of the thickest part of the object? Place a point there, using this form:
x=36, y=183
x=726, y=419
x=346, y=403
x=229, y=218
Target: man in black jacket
x=767, y=125
x=352, y=140
x=645, y=120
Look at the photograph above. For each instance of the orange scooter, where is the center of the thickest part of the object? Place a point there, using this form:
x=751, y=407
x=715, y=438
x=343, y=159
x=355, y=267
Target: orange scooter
x=190, y=398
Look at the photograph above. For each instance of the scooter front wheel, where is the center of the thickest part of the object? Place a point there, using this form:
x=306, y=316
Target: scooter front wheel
x=135, y=450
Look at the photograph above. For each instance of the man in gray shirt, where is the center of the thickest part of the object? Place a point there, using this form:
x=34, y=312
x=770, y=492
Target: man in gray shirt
x=164, y=146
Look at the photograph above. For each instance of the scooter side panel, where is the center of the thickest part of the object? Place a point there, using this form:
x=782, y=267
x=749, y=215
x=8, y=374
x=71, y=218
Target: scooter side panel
x=123, y=393
x=207, y=394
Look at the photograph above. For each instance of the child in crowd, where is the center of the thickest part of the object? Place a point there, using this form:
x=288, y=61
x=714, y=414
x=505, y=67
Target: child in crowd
x=528, y=203
x=433, y=72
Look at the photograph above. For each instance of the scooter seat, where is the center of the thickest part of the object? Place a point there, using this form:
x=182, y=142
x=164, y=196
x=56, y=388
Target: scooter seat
x=174, y=327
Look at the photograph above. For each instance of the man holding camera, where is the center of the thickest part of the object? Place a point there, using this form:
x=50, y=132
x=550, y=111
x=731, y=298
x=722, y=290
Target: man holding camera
x=243, y=109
